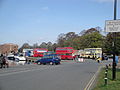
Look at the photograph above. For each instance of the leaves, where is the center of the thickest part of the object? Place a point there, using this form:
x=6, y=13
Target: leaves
x=90, y=38
x=110, y=39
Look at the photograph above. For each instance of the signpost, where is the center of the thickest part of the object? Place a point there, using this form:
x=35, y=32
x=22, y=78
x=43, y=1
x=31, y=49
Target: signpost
x=112, y=26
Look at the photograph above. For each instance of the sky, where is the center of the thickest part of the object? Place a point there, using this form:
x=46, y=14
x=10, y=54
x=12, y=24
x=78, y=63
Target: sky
x=37, y=21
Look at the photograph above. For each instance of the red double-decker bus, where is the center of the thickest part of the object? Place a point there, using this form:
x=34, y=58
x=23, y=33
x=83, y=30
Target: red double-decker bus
x=65, y=52
x=38, y=52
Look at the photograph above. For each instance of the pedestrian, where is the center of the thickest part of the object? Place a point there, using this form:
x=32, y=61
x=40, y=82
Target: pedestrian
x=4, y=61
x=1, y=61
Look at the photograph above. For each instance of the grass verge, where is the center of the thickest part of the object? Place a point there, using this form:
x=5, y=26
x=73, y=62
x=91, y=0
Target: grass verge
x=112, y=85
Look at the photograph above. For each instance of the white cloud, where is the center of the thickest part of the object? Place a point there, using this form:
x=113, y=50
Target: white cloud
x=44, y=8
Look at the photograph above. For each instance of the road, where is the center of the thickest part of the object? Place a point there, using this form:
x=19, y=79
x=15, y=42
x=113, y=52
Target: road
x=67, y=76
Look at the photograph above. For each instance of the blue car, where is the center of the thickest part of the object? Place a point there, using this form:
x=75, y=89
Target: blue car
x=52, y=59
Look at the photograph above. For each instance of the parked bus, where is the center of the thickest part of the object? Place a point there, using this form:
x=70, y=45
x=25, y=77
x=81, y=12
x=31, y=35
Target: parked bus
x=93, y=52
x=39, y=52
x=65, y=52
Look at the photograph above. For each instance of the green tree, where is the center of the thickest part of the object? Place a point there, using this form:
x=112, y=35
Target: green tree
x=91, y=38
x=109, y=43
x=66, y=40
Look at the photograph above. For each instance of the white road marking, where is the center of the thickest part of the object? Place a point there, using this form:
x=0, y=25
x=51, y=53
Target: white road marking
x=92, y=80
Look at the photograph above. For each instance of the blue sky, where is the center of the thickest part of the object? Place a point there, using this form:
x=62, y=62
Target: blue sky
x=36, y=21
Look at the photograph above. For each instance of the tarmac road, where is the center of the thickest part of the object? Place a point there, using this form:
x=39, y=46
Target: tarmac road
x=67, y=76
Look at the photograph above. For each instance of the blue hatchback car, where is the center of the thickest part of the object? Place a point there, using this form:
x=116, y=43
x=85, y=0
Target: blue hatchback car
x=52, y=59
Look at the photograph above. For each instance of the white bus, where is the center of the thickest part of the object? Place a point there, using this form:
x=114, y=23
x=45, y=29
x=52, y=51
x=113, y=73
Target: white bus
x=93, y=52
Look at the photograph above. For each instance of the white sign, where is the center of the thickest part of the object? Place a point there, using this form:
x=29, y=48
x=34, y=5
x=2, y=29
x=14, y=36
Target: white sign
x=112, y=26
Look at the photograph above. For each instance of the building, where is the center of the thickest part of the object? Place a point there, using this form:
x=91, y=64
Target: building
x=8, y=48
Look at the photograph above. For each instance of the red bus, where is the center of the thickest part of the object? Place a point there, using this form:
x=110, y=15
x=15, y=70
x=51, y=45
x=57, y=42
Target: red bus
x=65, y=52
x=38, y=52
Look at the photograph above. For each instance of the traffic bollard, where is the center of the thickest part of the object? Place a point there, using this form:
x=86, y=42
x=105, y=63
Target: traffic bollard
x=105, y=78
x=105, y=74
x=105, y=81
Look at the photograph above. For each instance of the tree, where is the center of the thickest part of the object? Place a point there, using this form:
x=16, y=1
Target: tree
x=61, y=40
x=24, y=46
x=109, y=43
x=91, y=38
x=49, y=46
x=35, y=45
x=54, y=46
x=66, y=40
x=89, y=31
x=43, y=45
x=70, y=35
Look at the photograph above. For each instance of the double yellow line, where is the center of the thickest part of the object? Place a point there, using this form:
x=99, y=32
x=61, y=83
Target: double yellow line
x=92, y=80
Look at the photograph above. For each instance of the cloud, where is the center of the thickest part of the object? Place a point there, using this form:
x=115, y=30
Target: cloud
x=44, y=8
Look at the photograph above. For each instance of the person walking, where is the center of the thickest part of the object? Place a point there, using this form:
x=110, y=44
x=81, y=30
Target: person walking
x=1, y=61
x=4, y=61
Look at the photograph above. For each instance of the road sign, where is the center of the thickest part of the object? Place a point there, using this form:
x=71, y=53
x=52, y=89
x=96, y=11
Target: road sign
x=112, y=26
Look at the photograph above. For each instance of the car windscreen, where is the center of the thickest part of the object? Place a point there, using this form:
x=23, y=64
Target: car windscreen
x=11, y=58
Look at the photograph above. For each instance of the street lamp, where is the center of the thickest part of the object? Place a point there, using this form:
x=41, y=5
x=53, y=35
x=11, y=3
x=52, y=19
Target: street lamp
x=114, y=46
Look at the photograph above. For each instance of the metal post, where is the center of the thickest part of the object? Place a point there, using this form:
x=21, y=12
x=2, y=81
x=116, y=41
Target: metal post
x=106, y=72
x=106, y=79
x=115, y=9
x=114, y=46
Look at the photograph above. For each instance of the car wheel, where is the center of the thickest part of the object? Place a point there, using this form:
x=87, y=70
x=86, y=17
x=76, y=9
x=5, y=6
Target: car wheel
x=39, y=63
x=44, y=63
x=51, y=63
x=56, y=63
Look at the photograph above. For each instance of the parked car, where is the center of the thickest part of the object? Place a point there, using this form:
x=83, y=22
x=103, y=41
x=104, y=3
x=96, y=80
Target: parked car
x=16, y=59
x=11, y=60
x=20, y=59
x=49, y=59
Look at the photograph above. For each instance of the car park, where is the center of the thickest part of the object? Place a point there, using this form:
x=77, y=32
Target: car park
x=49, y=59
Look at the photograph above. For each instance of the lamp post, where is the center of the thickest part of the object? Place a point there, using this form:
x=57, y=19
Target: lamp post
x=114, y=44
x=115, y=9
